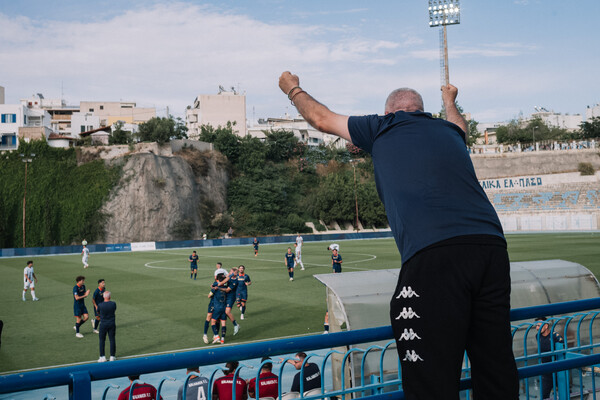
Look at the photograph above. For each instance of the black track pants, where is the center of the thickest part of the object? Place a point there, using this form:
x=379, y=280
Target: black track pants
x=451, y=297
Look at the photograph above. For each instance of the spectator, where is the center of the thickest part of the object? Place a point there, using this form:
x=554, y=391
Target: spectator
x=197, y=387
x=312, y=375
x=140, y=390
x=545, y=338
x=268, y=385
x=223, y=387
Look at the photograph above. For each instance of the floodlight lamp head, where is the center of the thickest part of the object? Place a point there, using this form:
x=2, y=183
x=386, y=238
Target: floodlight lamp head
x=444, y=12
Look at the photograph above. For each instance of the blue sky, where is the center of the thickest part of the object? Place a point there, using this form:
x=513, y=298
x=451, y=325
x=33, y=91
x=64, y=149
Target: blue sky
x=506, y=56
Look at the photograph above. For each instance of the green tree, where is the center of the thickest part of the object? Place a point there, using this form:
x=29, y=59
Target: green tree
x=120, y=136
x=281, y=144
x=252, y=154
x=162, y=130
x=590, y=129
x=224, y=139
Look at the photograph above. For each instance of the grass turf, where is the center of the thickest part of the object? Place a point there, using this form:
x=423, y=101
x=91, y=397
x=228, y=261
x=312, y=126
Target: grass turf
x=161, y=309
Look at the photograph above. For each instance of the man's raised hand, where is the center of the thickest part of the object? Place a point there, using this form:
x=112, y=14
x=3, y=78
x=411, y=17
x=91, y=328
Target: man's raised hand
x=288, y=81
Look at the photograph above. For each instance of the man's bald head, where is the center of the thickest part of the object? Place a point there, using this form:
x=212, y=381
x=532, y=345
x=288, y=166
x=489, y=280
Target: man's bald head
x=404, y=99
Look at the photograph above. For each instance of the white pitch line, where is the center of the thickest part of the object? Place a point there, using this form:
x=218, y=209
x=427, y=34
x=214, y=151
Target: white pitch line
x=371, y=257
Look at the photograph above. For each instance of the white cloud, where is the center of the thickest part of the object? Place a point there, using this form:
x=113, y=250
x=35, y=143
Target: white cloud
x=170, y=53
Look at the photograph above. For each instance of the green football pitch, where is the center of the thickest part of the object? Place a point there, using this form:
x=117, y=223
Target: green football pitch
x=160, y=309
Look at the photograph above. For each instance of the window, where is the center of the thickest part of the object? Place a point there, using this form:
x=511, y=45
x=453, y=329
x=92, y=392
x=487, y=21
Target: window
x=8, y=118
x=102, y=107
x=91, y=110
x=82, y=128
x=24, y=119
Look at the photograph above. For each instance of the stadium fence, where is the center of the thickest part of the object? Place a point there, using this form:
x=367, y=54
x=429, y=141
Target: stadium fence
x=573, y=366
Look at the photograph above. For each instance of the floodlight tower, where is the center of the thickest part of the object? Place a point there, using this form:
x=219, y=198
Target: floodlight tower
x=442, y=13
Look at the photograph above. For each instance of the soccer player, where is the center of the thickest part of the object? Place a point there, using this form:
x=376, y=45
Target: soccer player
x=241, y=296
x=197, y=387
x=220, y=304
x=140, y=390
x=288, y=261
x=211, y=309
x=97, y=298
x=79, y=310
x=223, y=387
x=29, y=280
x=231, y=298
x=336, y=262
x=85, y=254
x=255, y=243
x=220, y=270
x=193, y=264
x=268, y=382
x=299, y=242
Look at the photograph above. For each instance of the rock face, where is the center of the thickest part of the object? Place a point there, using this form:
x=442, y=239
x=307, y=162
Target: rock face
x=164, y=198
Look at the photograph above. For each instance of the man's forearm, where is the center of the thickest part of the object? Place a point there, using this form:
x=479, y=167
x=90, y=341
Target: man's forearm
x=454, y=116
x=312, y=111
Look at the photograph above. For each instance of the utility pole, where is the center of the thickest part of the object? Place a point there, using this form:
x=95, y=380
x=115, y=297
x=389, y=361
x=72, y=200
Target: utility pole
x=26, y=160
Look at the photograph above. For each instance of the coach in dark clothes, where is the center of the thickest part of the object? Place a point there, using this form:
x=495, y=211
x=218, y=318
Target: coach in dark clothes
x=106, y=310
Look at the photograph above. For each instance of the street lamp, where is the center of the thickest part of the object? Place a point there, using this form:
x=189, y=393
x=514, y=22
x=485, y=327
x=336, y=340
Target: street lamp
x=26, y=159
x=442, y=13
x=533, y=135
x=353, y=162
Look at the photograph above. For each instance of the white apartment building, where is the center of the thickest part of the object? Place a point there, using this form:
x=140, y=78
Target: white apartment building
x=19, y=121
x=216, y=110
x=60, y=112
x=301, y=129
x=592, y=112
x=569, y=122
x=83, y=122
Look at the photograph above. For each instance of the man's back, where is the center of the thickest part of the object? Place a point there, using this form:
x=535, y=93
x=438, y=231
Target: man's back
x=140, y=391
x=435, y=194
x=312, y=378
x=197, y=389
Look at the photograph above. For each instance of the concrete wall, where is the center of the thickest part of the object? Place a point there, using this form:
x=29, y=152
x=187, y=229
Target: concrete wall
x=532, y=163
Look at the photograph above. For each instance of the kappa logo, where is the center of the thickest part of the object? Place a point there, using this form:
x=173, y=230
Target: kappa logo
x=412, y=356
x=408, y=334
x=407, y=292
x=407, y=314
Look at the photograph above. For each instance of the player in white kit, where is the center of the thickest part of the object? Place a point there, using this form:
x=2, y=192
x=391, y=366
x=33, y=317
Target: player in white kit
x=85, y=253
x=299, y=242
x=29, y=280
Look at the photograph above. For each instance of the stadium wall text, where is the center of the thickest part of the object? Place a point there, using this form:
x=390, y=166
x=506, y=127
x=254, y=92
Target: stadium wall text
x=148, y=246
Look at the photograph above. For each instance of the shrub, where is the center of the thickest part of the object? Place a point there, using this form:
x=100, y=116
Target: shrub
x=586, y=168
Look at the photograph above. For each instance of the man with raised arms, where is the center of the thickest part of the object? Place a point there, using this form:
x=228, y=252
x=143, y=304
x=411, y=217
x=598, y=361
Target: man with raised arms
x=451, y=241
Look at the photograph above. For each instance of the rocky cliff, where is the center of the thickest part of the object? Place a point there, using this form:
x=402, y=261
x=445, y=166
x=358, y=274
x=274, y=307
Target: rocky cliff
x=166, y=197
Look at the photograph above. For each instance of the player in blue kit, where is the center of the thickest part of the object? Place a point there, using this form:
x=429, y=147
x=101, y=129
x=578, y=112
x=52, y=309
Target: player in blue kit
x=209, y=313
x=231, y=298
x=193, y=264
x=97, y=298
x=219, y=294
x=289, y=261
x=243, y=281
x=79, y=310
x=255, y=243
x=336, y=262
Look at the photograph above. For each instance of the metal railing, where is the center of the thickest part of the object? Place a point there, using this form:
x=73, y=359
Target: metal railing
x=576, y=358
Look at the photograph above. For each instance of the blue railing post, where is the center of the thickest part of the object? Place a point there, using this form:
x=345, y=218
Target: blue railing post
x=80, y=387
x=562, y=377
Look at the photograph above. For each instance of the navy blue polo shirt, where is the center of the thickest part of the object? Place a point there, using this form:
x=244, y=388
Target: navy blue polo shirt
x=425, y=179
